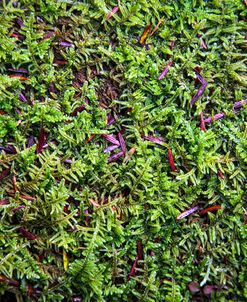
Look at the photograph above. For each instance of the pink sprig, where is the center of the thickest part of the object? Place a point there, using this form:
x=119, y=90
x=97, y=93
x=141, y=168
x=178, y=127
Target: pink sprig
x=153, y=139
x=187, y=213
x=203, y=128
x=112, y=12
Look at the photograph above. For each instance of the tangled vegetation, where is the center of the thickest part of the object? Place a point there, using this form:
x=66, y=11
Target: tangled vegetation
x=123, y=141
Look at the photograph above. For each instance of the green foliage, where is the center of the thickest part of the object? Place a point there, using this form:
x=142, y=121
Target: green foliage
x=86, y=214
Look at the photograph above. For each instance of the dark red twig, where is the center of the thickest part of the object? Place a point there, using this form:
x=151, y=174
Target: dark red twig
x=4, y=173
x=14, y=184
x=203, y=128
x=139, y=250
x=4, y=201
x=26, y=197
x=41, y=142
x=77, y=110
x=210, y=209
x=171, y=161
x=220, y=174
x=133, y=268
x=25, y=233
x=8, y=281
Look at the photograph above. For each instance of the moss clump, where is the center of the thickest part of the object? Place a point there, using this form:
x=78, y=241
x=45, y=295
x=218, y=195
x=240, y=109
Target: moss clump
x=81, y=224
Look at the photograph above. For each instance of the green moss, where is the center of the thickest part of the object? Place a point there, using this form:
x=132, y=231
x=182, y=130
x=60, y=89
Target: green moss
x=91, y=213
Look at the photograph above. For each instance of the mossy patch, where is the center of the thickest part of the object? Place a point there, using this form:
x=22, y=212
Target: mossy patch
x=123, y=150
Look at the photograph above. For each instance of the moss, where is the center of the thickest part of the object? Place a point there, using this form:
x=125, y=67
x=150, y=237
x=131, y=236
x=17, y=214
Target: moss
x=77, y=225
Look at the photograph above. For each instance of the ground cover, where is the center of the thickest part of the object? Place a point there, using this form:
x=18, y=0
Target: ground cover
x=123, y=157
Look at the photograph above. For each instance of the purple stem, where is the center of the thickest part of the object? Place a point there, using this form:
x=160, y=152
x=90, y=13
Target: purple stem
x=111, y=148
x=30, y=142
x=18, y=70
x=10, y=149
x=201, y=79
x=172, y=44
x=3, y=202
x=122, y=142
x=200, y=90
x=19, y=22
x=66, y=44
x=25, y=233
x=22, y=98
x=110, y=119
x=18, y=209
x=4, y=173
x=194, y=287
x=187, y=213
x=115, y=156
x=49, y=35
x=208, y=289
x=68, y=161
x=238, y=105
x=39, y=19
x=66, y=209
x=111, y=138
x=87, y=218
x=154, y=139
x=214, y=118
x=146, y=46
x=165, y=71
x=52, y=88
